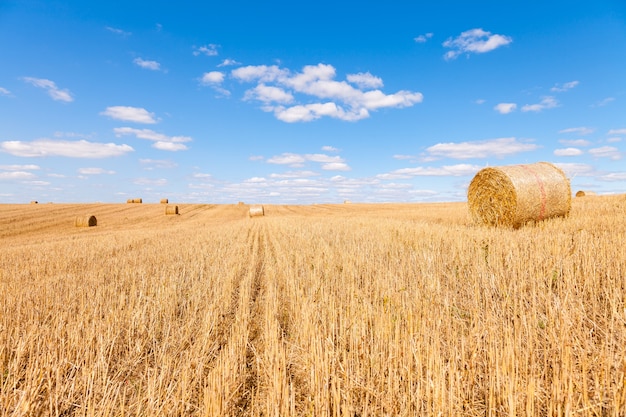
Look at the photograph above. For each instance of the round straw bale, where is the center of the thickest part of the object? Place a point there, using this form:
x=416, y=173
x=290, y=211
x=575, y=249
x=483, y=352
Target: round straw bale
x=515, y=194
x=34, y=202
x=134, y=200
x=582, y=193
x=171, y=209
x=257, y=210
x=85, y=221
x=347, y=202
x=164, y=201
x=241, y=203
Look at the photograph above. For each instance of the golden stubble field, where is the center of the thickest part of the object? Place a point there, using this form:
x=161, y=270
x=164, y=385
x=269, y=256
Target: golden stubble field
x=326, y=310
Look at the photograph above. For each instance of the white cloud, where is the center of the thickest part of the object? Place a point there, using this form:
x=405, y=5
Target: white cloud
x=118, y=31
x=329, y=149
x=613, y=176
x=157, y=163
x=94, y=171
x=16, y=175
x=578, y=130
x=604, y=102
x=444, y=171
x=568, y=152
x=29, y=167
x=365, y=80
x=130, y=114
x=287, y=159
x=476, y=41
x=208, y=50
x=268, y=94
x=295, y=174
x=575, y=142
x=71, y=149
x=329, y=162
x=213, y=77
x=336, y=166
x=151, y=65
x=617, y=132
x=161, y=141
x=500, y=147
x=326, y=96
x=548, y=102
x=606, y=152
x=228, y=62
x=560, y=88
x=575, y=169
x=150, y=182
x=505, y=108
x=51, y=87
x=4, y=92
x=423, y=38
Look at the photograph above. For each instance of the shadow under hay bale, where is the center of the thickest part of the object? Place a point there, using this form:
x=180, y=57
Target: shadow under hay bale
x=582, y=193
x=171, y=210
x=85, y=221
x=516, y=194
x=257, y=211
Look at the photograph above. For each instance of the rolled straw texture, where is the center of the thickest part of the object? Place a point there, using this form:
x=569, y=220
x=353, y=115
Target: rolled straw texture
x=257, y=211
x=134, y=200
x=582, y=193
x=516, y=194
x=85, y=221
x=164, y=201
x=171, y=210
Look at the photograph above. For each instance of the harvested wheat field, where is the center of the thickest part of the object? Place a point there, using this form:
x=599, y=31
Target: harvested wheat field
x=326, y=310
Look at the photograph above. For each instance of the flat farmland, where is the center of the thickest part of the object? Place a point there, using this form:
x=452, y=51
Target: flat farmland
x=321, y=310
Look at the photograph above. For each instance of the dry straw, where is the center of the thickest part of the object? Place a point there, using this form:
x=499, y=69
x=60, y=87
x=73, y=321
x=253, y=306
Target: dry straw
x=582, y=193
x=257, y=211
x=171, y=210
x=85, y=221
x=134, y=201
x=516, y=194
x=164, y=201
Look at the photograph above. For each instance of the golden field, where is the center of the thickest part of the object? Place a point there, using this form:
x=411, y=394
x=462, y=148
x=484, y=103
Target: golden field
x=323, y=310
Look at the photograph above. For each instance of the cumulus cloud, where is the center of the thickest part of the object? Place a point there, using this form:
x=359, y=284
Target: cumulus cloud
x=314, y=93
x=208, y=50
x=548, y=102
x=474, y=41
x=151, y=182
x=423, y=38
x=55, y=92
x=228, y=62
x=575, y=169
x=16, y=175
x=500, y=148
x=575, y=142
x=151, y=164
x=94, y=171
x=444, y=171
x=328, y=162
x=29, y=167
x=560, y=88
x=161, y=141
x=4, y=92
x=505, y=108
x=568, y=152
x=130, y=114
x=613, y=176
x=150, y=65
x=71, y=149
x=213, y=77
x=329, y=149
x=578, y=130
x=617, y=132
x=606, y=152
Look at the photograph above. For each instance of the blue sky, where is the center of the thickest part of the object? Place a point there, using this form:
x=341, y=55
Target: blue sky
x=300, y=103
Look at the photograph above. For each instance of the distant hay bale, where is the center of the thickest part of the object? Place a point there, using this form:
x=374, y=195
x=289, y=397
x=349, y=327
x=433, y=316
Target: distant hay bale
x=582, y=193
x=34, y=202
x=134, y=201
x=347, y=202
x=171, y=210
x=257, y=211
x=164, y=201
x=85, y=221
x=241, y=203
x=515, y=194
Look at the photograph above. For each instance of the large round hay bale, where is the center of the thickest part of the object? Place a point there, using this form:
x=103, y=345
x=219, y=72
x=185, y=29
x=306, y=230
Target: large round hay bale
x=85, y=221
x=164, y=201
x=171, y=209
x=516, y=194
x=582, y=193
x=257, y=210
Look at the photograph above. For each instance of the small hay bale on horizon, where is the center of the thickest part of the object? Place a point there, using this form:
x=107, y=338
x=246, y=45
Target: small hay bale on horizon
x=34, y=202
x=85, y=221
x=516, y=194
x=582, y=193
x=170, y=210
x=134, y=201
x=347, y=202
x=164, y=201
x=241, y=203
x=256, y=210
